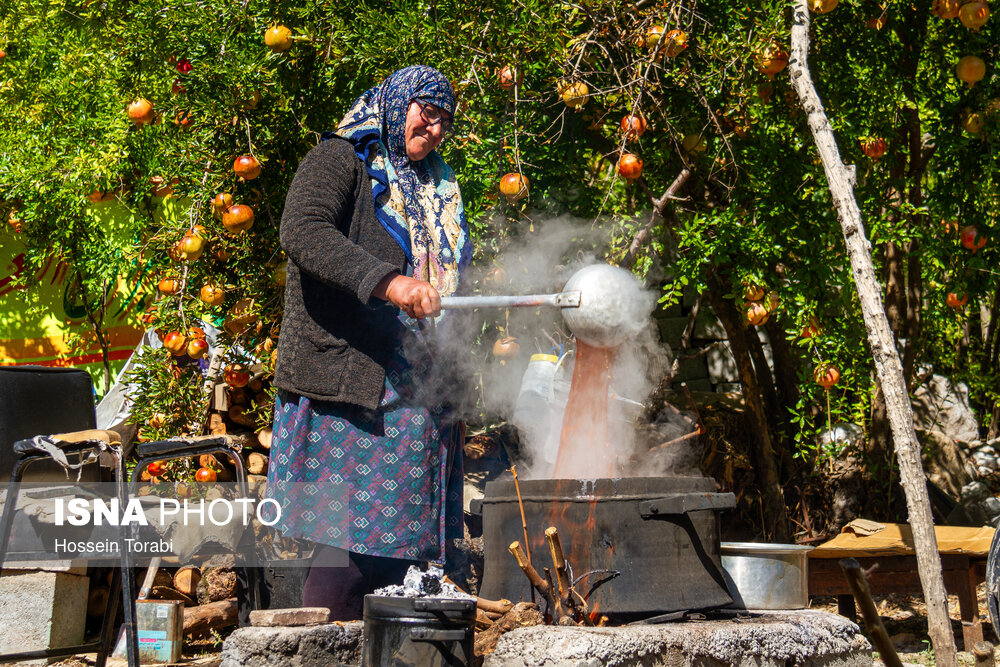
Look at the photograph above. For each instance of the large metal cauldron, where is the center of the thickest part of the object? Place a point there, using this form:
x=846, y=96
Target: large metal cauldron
x=659, y=534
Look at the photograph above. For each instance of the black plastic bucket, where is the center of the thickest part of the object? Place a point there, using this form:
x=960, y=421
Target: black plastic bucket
x=418, y=632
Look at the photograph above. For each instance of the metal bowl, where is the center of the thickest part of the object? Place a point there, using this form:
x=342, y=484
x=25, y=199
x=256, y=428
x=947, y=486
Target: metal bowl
x=767, y=576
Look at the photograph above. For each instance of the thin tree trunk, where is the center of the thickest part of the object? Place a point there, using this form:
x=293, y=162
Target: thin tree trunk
x=786, y=364
x=95, y=320
x=764, y=377
x=765, y=462
x=889, y=369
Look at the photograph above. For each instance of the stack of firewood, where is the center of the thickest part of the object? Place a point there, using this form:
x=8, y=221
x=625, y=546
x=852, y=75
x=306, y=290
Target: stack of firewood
x=208, y=593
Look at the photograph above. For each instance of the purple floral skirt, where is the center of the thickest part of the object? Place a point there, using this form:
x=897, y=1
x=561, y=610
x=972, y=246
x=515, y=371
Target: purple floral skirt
x=385, y=483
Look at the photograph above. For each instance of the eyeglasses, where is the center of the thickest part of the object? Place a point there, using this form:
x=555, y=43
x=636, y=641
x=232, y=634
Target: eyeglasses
x=433, y=115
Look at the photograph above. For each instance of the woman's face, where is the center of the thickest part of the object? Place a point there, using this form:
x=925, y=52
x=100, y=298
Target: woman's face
x=421, y=136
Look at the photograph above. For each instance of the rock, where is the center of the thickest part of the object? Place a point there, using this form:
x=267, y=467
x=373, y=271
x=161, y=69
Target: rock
x=939, y=404
x=984, y=460
x=270, y=618
x=327, y=645
x=945, y=462
x=974, y=491
x=842, y=433
x=42, y=610
x=806, y=637
x=992, y=506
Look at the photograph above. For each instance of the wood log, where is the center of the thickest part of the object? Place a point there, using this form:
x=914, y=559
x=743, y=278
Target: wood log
x=522, y=615
x=218, y=579
x=264, y=437
x=482, y=620
x=171, y=593
x=223, y=468
x=256, y=464
x=97, y=601
x=238, y=414
x=200, y=620
x=983, y=653
x=163, y=578
x=216, y=424
x=237, y=396
x=256, y=384
x=186, y=580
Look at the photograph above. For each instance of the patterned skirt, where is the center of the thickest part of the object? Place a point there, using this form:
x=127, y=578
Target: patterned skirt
x=384, y=483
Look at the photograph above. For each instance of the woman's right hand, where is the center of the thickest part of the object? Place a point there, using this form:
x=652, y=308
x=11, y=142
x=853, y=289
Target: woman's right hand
x=416, y=298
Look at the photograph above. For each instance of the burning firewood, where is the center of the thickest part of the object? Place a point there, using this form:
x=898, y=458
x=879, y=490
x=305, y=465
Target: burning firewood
x=565, y=605
x=571, y=601
x=536, y=580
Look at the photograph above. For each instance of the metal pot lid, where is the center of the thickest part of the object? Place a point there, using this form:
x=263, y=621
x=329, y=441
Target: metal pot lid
x=762, y=548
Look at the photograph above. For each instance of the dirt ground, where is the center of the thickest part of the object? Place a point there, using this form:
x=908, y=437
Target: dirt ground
x=905, y=620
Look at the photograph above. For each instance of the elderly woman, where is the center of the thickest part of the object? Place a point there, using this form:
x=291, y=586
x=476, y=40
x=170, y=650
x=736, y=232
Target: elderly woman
x=365, y=461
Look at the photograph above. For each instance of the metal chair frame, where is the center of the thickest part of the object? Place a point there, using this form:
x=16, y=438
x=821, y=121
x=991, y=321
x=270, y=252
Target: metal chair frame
x=104, y=645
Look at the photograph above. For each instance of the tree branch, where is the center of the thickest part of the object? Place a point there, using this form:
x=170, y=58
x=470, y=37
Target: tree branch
x=659, y=206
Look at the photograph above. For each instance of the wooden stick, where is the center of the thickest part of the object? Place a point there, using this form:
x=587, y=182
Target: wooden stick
x=558, y=613
x=492, y=606
x=482, y=620
x=536, y=580
x=859, y=586
x=520, y=504
x=559, y=562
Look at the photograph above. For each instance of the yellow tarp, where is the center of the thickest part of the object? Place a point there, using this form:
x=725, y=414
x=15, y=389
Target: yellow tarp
x=896, y=539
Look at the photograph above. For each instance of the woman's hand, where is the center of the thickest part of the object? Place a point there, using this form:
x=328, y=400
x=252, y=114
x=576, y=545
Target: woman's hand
x=415, y=297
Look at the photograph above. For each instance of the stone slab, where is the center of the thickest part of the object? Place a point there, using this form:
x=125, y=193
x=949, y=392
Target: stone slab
x=326, y=645
x=803, y=638
x=271, y=618
x=42, y=610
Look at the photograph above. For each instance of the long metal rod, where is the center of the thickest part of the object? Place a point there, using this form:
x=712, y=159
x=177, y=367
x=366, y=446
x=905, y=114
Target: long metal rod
x=558, y=300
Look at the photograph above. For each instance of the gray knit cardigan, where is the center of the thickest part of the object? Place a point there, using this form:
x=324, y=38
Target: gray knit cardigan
x=335, y=338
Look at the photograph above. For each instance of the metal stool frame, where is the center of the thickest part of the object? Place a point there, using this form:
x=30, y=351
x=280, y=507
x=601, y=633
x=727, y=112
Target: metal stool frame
x=185, y=448
x=104, y=645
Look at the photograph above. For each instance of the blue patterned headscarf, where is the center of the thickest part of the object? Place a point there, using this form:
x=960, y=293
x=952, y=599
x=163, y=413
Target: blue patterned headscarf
x=418, y=203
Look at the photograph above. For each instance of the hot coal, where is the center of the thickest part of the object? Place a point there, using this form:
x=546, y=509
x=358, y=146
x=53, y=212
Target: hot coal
x=419, y=584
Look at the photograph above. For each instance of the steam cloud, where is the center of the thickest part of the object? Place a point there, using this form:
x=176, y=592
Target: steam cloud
x=541, y=262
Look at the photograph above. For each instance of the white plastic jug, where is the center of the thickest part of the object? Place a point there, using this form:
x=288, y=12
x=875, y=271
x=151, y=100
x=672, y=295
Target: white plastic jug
x=532, y=414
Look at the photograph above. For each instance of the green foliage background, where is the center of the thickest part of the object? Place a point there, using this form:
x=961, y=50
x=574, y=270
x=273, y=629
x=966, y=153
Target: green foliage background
x=756, y=211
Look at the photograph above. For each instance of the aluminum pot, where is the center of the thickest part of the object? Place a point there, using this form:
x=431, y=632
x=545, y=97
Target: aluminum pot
x=767, y=576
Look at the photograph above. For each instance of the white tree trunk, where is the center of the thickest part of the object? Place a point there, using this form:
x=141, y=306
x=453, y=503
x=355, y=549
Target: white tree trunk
x=889, y=370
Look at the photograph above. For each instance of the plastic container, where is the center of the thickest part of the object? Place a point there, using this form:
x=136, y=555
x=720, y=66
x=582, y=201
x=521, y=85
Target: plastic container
x=532, y=409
